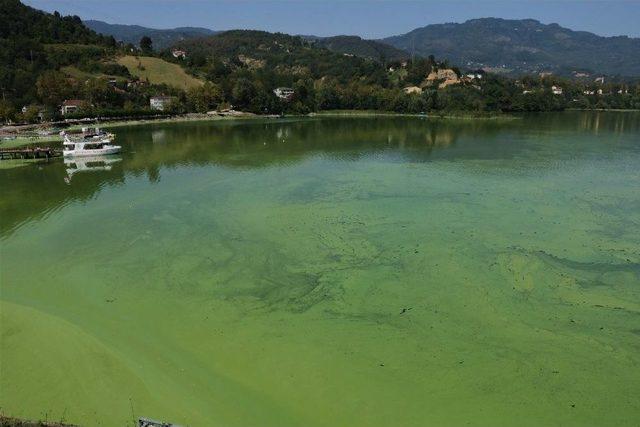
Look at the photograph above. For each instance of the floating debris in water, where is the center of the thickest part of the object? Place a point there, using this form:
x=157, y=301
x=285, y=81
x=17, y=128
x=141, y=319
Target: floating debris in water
x=146, y=422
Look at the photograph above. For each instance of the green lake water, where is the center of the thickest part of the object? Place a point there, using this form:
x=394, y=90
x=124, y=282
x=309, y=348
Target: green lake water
x=329, y=272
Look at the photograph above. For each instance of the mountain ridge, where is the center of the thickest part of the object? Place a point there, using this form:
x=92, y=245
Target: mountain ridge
x=161, y=38
x=522, y=46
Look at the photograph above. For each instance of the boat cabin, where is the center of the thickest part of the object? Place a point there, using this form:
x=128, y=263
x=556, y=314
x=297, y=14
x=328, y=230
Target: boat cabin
x=78, y=145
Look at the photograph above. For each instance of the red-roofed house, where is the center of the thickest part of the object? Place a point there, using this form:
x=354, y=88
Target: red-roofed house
x=70, y=106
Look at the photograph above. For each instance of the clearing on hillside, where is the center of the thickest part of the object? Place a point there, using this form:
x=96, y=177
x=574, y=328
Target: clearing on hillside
x=78, y=74
x=159, y=71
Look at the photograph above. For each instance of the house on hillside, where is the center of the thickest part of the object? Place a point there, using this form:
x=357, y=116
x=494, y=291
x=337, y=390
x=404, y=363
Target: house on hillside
x=177, y=53
x=71, y=106
x=474, y=75
x=556, y=90
x=285, y=93
x=160, y=103
x=412, y=89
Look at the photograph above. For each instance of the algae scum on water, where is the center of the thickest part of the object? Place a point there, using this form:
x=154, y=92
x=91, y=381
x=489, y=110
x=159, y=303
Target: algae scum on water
x=329, y=272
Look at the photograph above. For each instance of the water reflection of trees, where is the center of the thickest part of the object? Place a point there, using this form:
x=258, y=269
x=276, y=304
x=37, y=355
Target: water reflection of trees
x=34, y=191
x=275, y=142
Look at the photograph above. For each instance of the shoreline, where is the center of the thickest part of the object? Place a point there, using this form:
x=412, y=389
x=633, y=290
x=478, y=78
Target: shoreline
x=615, y=110
x=23, y=141
x=23, y=134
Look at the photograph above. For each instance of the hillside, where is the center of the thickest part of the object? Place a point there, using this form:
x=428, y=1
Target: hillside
x=354, y=45
x=523, y=46
x=20, y=21
x=162, y=38
x=289, y=57
x=32, y=42
x=158, y=71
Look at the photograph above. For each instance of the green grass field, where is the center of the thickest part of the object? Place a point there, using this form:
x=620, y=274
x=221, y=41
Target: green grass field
x=158, y=71
x=83, y=75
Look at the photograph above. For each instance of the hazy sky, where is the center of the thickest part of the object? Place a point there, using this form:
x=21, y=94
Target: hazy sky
x=372, y=18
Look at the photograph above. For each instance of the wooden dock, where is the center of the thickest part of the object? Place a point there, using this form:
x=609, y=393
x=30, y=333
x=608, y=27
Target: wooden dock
x=30, y=153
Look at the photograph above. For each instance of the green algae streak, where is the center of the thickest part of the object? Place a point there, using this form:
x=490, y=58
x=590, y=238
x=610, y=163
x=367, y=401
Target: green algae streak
x=329, y=272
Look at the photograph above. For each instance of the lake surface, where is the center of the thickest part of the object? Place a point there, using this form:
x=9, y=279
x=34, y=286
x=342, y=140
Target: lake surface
x=330, y=272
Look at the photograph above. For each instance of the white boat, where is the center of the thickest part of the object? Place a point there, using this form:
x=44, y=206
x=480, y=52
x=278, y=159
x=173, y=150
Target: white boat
x=89, y=145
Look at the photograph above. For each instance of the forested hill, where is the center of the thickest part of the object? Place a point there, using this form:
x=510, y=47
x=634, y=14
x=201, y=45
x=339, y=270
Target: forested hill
x=32, y=42
x=523, y=46
x=276, y=53
x=18, y=21
x=357, y=46
x=162, y=38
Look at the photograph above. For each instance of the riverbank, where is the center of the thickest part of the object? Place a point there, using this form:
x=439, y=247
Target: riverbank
x=24, y=135
x=25, y=141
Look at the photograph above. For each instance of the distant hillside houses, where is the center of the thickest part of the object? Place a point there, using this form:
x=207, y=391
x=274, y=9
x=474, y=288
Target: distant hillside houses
x=285, y=93
x=474, y=75
x=412, y=89
x=179, y=54
x=71, y=106
x=160, y=103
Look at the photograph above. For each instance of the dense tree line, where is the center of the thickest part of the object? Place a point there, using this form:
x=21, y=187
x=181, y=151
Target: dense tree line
x=32, y=42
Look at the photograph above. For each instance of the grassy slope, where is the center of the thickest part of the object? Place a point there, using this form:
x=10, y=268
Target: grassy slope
x=83, y=75
x=159, y=71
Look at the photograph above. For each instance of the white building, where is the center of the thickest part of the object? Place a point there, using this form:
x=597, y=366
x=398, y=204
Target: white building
x=177, y=53
x=285, y=93
x=160, y=103
x=557, y=90
x=412, y=89
x=70, y=106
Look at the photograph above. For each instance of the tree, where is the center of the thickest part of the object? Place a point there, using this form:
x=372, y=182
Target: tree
x=98, y=92
x=7, y=111
x=53, y=88
x=327, y=97
x=205, y=98
x=146, y=44
x=31, y=115
x=243, y=93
